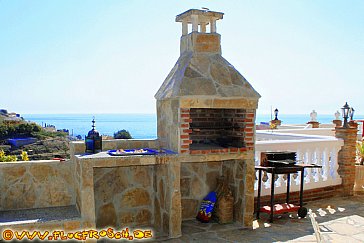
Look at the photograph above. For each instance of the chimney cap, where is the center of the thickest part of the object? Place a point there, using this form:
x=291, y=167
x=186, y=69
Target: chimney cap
x=203, y=15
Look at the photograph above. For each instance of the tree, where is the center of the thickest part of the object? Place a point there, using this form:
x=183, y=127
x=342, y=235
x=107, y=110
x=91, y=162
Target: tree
x=122, y=134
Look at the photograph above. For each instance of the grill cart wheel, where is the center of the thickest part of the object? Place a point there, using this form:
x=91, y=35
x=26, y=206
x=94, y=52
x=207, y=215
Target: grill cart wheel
x=302, y=212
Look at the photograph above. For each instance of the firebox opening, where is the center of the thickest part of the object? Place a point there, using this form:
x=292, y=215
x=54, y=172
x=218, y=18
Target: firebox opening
x=216, y=128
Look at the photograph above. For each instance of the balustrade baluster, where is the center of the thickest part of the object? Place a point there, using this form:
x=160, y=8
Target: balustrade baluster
x=316, y=159
x=256, y=180
x=308, y=160
x=280, y=180
x=334, y=165
x=325, y=164
x=299, y=157
x=267, y=184
x=257, y=158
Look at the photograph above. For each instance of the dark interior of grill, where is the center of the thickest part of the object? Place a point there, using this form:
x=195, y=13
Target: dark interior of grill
x=216, y=128
x=278, y=159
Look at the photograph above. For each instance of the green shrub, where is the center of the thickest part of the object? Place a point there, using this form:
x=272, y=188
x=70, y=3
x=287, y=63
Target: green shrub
x=122, y=134
x=7, y=158
x=22, y=129
x=25, y=129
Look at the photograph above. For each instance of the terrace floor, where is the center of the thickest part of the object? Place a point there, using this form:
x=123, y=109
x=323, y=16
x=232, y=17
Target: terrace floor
x=340, y=218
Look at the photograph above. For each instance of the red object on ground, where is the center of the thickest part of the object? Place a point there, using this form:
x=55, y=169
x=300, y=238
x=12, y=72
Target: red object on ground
x=280, y=208
x=203, y=217
x=60, y=159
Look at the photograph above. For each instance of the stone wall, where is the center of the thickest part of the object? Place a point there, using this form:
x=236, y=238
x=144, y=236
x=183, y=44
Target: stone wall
x=77, y=180
x=40, y=184
x=161, y=204
x=198, y=179
x=168, y=124
x=124, y=196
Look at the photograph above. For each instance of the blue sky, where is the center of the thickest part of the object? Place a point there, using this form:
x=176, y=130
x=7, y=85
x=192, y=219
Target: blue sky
x=111, y=56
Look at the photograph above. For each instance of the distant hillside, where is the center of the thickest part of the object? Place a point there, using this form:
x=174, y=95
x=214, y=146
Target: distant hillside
x=47, y=144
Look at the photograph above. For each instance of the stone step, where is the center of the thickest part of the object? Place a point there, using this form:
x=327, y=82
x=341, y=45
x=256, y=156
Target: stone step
x=64, y=217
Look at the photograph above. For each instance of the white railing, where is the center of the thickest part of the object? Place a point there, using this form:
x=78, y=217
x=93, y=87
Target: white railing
x=327, y=131
x=310, y=149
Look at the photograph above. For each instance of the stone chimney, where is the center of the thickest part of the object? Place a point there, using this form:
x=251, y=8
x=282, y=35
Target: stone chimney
x=203, y=85
x=199, y=41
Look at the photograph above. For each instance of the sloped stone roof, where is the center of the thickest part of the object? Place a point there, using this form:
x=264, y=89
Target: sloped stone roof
x=205, y=75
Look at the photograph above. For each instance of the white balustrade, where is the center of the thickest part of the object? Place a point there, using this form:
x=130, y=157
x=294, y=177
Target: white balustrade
x=320, y=150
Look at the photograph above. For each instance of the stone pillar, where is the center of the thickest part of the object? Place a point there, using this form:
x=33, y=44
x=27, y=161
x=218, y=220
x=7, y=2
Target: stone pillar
x=203, y=27
x=338, y=123
x=213, y=26
x=314, y=124
x=248, y=207
x=194, y=23
x=174, y=199
x=87, y=207
x=184, y=27
x=346, y=158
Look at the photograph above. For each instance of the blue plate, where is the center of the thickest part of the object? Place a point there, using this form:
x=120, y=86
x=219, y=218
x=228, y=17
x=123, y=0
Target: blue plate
x=129, y=152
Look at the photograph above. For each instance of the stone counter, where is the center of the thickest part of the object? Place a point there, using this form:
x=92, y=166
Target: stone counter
x=153, y=191
x=132, y=191
x=103, y=159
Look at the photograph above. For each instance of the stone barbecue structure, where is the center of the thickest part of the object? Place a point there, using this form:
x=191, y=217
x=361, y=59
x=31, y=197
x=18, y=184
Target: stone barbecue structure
x=206, y=107
x=205, y=115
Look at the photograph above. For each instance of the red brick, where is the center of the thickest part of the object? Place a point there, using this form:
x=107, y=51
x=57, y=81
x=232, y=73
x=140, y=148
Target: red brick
x=184, y=151
x=187, y=120
x=185, y=125
x=185, y=146
x=250, y=115
x=185, y=110
x=187, y=130
x=234, y=150
x=195, y=151
x=249, y=144
x=184, y=136
x=187, y=141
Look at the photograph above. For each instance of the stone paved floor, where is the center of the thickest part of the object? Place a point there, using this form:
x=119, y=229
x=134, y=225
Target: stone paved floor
x=341, y=217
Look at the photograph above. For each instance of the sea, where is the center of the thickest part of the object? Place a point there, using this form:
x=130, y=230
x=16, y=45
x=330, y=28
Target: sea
x=140, y=126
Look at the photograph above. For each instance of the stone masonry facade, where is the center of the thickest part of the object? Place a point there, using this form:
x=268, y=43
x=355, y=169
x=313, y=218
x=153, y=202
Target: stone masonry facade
x=41, y=184
x=124, y=196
